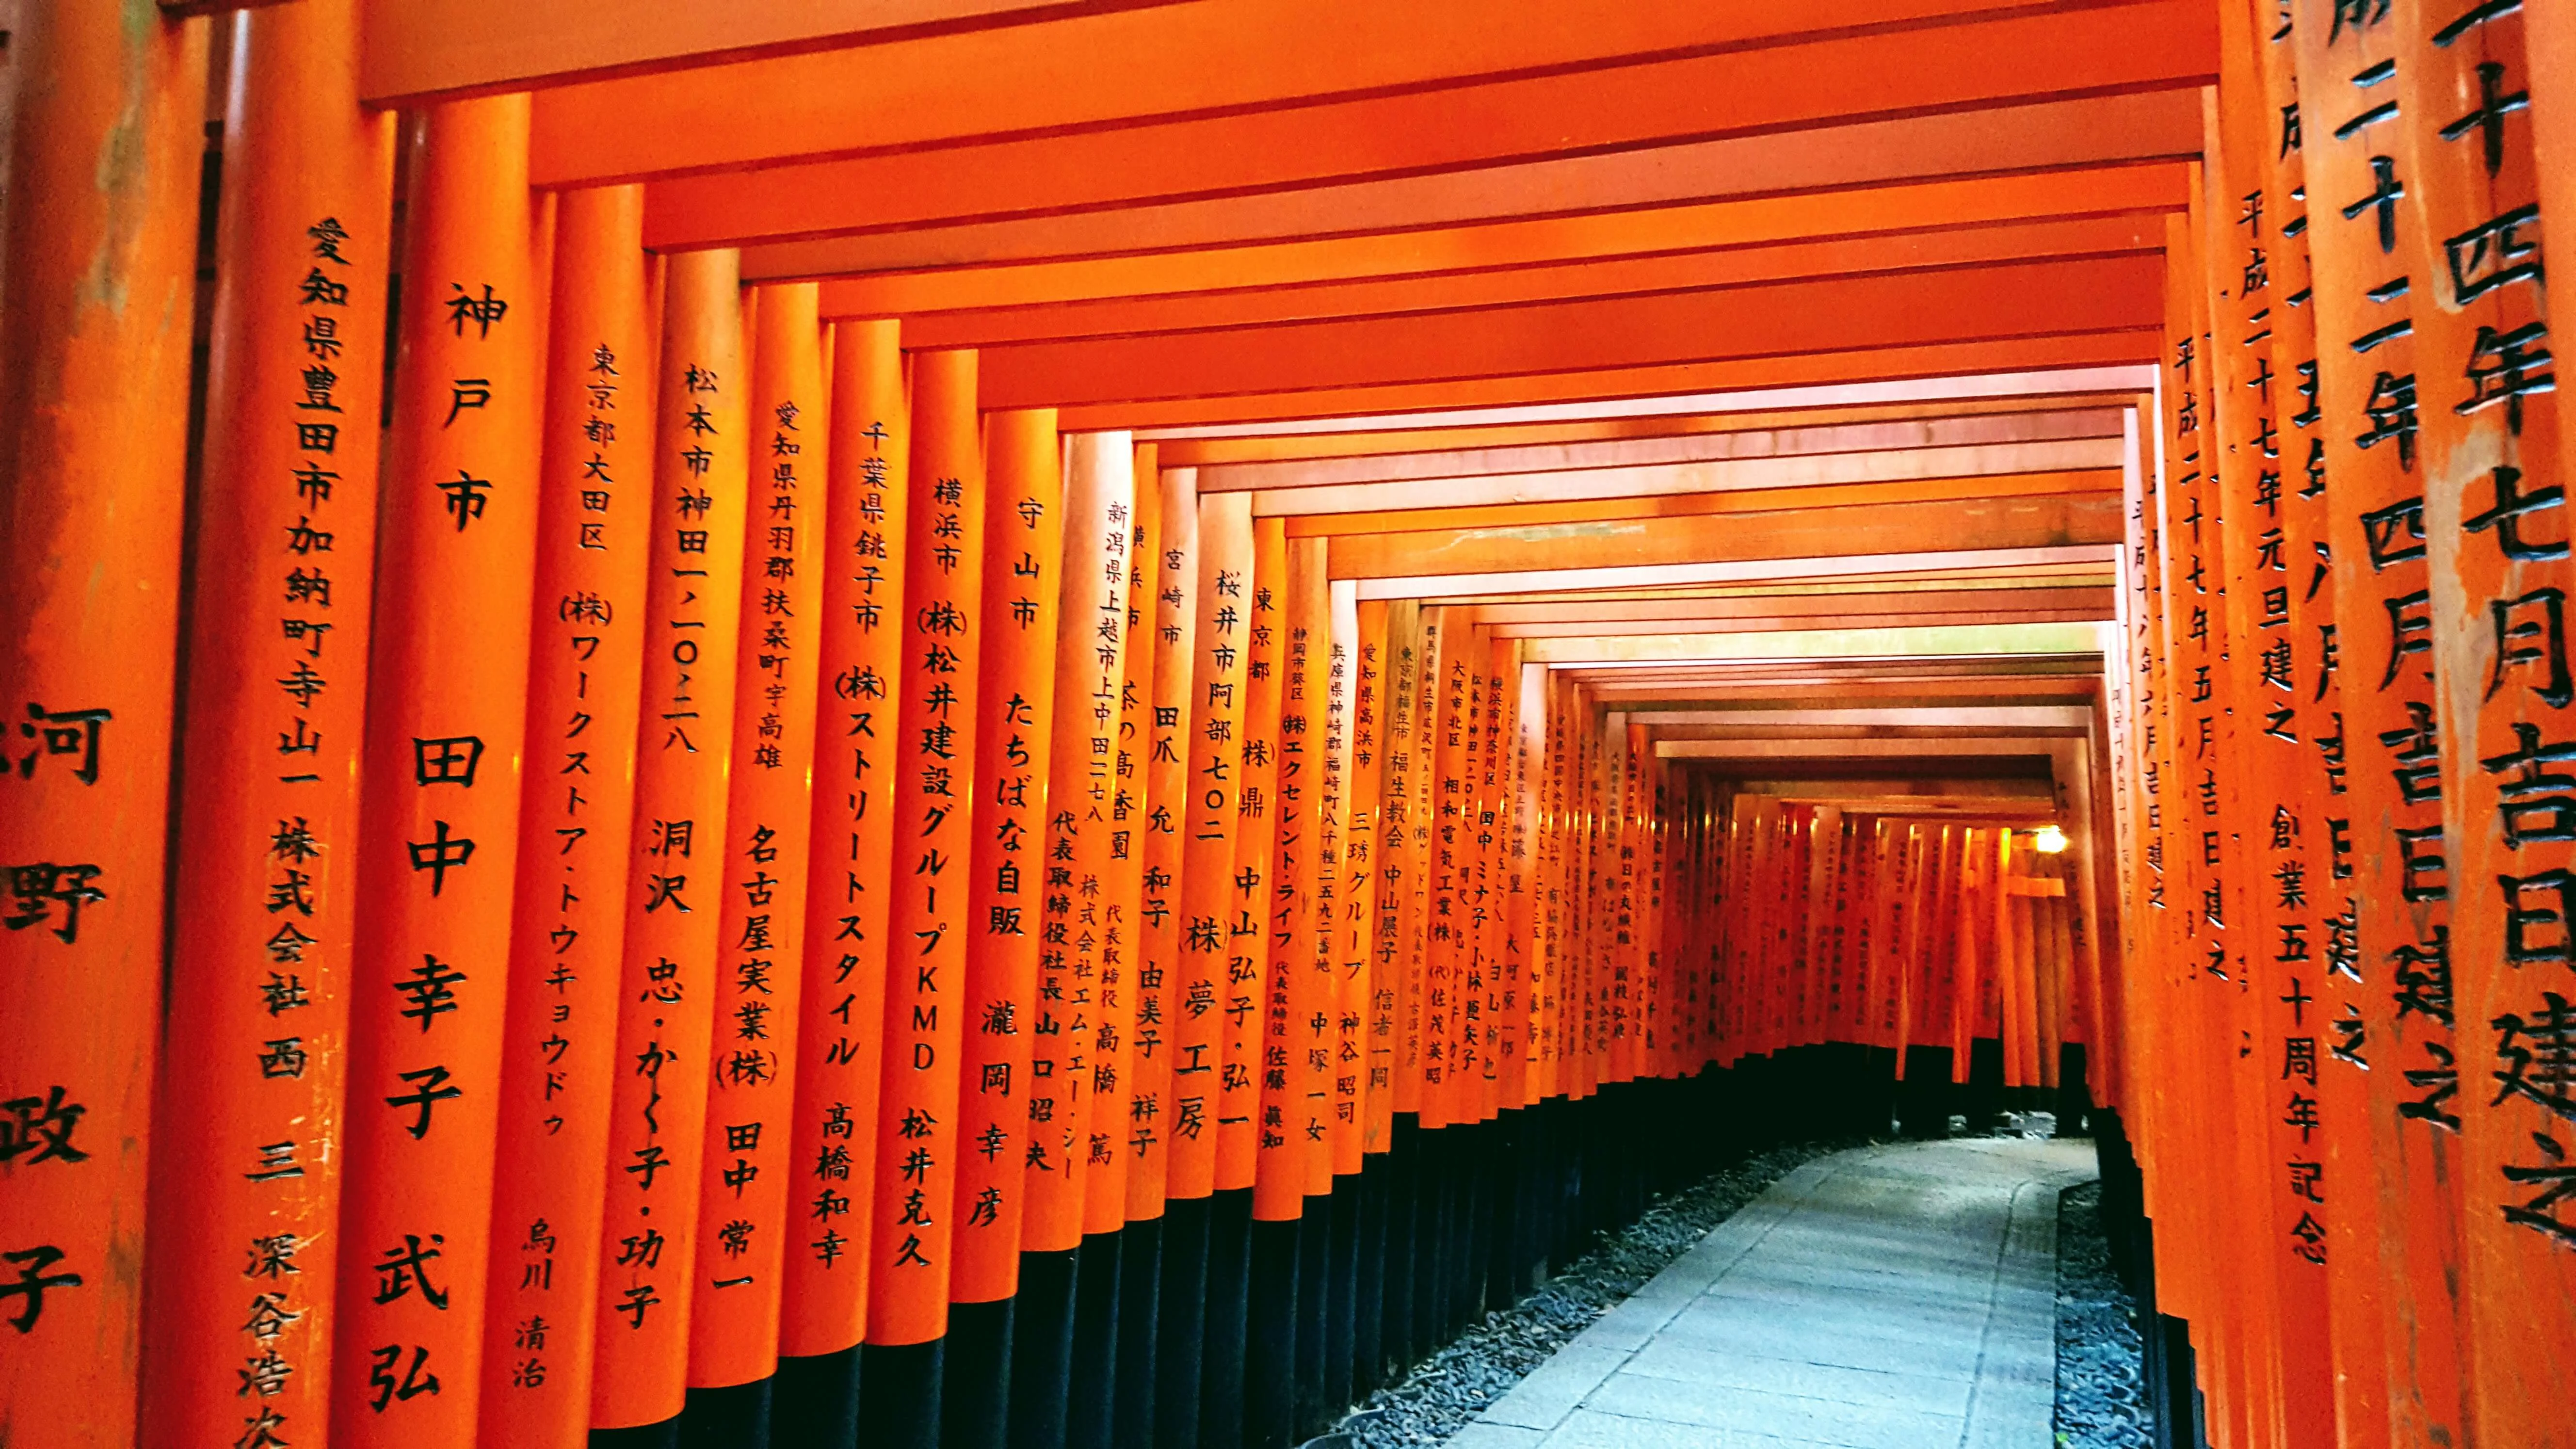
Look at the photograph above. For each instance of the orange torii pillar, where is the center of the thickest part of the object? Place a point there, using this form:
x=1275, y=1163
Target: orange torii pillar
x=1284, y=1234
x=1366, y=1003
x=2392, y=870
x=94, y=343
x=1100, y=801
x=824, y=1296
x=1116, y=1207
x=1007, y=1100
x=1075, y=991
x=918, y=1141
x=1193, y=1314
x=1341, y=958
x=1395, y=962
x=745, y=1202
x=438, y=840
x=1225, y=1417
x=1011, y=1098
x=262, y=884
x=1171, y=794
x=2498, y=534
x=568, y=923
x=676, y=852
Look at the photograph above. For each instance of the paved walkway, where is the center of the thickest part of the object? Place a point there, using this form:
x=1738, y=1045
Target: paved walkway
x=1900, y=1297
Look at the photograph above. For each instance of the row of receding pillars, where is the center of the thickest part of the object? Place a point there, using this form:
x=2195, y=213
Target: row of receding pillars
x=2343, y=745
x=640, y=869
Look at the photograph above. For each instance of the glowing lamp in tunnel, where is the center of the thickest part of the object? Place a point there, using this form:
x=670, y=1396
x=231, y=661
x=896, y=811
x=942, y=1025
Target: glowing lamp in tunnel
x=2048, y=840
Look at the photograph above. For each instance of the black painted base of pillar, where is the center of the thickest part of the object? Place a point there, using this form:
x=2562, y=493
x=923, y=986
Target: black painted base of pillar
x=1180, y=1331
x=1229, y=1286
x=1341, y=1290
x=1403, y=1249
x=976, y=1375
x=1041, y=1363
x=1140, y=1304
x=1368, y=1298
x=902, y=1383
x=1314, y=1254
x=664, y=1435
x=735, y=1416
x=815, y=1401
x=1270, y=1337
x=1091, y=1397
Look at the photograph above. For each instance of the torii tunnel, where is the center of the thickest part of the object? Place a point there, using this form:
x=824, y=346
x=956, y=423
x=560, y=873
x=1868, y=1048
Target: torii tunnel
x=1042, y=723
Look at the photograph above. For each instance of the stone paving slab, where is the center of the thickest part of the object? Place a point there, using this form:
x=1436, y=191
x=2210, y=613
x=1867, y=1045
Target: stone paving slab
x=1896, y=1297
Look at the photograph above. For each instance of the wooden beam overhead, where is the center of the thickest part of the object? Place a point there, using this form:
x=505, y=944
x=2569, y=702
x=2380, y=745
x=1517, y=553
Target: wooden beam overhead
x=1336, y=275
x=1933, y=367
x=1569, y=512
x=2063, y=384
x=2137, y=233
x=1580, y=553
x=2083, y=463
x=1696, y=446
x=1214, y=454
x=2048, y=136
x=1865, y=562
x=1101, y=65
x=2015, y=302
x=1938, y=640
x=1504, y=618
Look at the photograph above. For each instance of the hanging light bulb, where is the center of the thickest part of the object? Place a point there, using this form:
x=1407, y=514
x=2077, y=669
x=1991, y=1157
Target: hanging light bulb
x=2048, y=839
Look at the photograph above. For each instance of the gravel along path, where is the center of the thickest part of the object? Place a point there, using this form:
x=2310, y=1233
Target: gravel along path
x=1455, y=1384
x=2101, y=1398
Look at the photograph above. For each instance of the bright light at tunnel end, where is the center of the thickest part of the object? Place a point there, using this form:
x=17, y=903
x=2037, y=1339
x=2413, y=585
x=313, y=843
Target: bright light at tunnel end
x=2048, y=840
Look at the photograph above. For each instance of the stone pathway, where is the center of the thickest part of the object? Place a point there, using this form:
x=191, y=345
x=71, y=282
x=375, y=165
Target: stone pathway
x=1898, y=1297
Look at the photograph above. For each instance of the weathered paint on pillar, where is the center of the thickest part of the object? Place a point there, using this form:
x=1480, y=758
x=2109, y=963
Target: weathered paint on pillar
x=263, y=883
x=94, y=342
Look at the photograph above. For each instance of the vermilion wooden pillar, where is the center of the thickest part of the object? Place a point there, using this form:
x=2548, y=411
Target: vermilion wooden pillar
x=1165, y=793
x=1247, y=936
x=823, y=1305
x=1248, y=1368
x=446, y=714
x=2301, y=878
x=744, y=1192
x=94, y=340
x=2497, y=531
x=918, y=1142
x=1363, y=856
x=1000, y=1120
x=1114, y=1380
x=1011, y=1189
x=1289, y=1120
x=1224, y=637
x=264, y=883
x=568, y=921
x=677, y=851
x=1198, y=1298
x=2401, y=878
x=1398, y=940
x=1174, y=958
